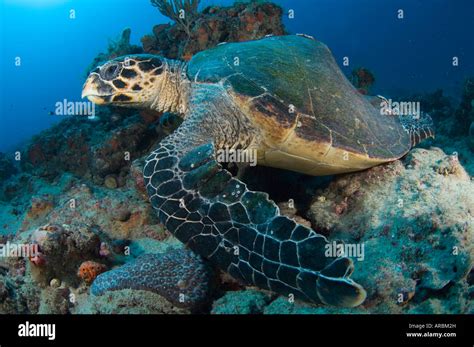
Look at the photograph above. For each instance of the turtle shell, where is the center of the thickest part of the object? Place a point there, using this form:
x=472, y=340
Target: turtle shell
x=293, y=90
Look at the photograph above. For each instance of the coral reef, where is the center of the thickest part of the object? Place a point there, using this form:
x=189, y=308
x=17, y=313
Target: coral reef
x=240, y=22
x=61, y=251
x=465, y=113
x=91, y=149
x=436, y=104
x=79, y=195
x=183, y=12
x=415, y=220
x=283, y=306
x=241, y=302
x=179, y=275
x=55, y=300
x=127, y=302
x=453, y=121
x=18, y=294
x=7, y=167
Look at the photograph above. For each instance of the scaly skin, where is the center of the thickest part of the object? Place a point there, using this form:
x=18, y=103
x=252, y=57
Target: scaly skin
x=238, y=230
x=214, y=214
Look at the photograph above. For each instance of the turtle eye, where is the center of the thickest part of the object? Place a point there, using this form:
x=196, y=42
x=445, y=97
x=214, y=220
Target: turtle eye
x=110, y=71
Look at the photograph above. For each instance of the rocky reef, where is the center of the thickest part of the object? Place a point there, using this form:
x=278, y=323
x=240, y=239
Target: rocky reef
x=215, y=24
x=95, y=150
x=77, y=194
x=414, y=218
x=7, y=167
x=465, y=113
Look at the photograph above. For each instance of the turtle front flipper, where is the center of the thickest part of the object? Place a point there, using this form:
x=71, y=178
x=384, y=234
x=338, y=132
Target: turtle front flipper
x=240, y=231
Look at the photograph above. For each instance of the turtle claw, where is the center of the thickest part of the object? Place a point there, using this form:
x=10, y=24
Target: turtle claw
x=341, y=267
x=341, y=292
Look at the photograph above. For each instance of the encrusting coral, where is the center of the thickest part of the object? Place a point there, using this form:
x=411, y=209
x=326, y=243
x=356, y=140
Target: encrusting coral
x=89, y=270
x=61, y=250
x=213, y=25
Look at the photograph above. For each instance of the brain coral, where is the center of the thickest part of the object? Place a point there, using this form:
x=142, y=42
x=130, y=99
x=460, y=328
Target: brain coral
x=179, y=275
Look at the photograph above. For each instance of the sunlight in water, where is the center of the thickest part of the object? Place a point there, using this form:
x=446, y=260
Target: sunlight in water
x=36, y=3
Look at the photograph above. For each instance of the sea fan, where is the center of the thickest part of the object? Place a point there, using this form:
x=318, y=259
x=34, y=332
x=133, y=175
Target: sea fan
x=183, y=12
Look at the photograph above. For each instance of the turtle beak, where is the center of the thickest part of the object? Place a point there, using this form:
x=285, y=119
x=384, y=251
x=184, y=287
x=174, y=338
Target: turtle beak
x=95, y=90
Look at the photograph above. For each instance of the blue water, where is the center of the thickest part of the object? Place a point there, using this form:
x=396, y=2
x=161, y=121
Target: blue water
x=413, y=54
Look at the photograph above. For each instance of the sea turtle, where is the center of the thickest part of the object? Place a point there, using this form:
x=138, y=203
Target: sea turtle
x=283, y=97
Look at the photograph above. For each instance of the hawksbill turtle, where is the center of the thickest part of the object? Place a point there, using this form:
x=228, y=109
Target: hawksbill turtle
x=283, y=97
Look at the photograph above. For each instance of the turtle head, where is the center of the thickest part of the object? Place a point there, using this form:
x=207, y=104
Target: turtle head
x=139, y=81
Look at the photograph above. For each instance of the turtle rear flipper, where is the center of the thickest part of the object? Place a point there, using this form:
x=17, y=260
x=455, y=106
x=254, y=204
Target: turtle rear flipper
x=238, y=230
x=418, y=127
